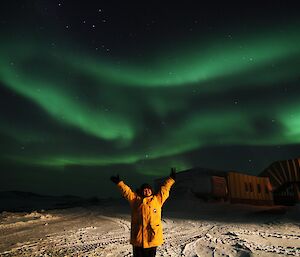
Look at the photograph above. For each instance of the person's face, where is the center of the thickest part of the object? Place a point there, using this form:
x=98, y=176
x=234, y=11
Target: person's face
x=147, y=192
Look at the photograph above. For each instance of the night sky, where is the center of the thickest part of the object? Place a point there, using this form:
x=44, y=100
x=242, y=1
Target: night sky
x=90, y=89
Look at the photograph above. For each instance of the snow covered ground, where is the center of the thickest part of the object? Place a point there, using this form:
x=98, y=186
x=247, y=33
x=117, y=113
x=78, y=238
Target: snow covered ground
x=191, y=228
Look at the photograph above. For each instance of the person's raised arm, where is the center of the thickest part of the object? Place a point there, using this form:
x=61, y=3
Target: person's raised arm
x=126, y=191
x=164, y=191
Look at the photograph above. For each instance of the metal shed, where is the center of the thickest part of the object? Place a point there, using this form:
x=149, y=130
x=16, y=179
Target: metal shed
x=285, y=179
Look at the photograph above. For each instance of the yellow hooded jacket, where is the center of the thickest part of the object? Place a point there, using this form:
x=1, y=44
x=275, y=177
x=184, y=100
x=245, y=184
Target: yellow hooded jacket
x=146, y=227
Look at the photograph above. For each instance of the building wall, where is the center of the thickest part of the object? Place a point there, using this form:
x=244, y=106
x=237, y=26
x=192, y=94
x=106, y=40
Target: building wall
x=219, y=187
x=245, y=188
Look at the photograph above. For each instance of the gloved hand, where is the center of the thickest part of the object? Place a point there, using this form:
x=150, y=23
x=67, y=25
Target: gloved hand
x=115, y=179
x=173, y=173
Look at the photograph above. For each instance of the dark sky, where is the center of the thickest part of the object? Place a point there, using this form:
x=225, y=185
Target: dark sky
x=90, y=89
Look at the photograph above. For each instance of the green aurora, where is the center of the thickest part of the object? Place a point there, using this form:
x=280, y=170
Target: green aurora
x=164, y=107
x=90, y=89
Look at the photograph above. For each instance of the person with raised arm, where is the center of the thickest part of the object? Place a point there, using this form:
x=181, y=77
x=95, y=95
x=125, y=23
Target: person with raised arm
x=146, y=226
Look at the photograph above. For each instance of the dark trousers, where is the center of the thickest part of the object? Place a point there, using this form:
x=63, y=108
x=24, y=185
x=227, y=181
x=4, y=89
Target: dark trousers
x=144, y=252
